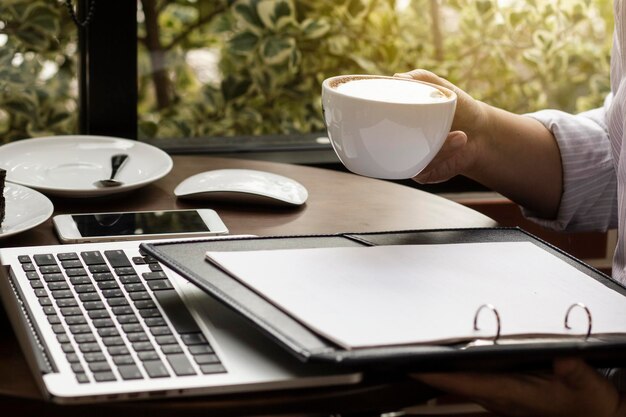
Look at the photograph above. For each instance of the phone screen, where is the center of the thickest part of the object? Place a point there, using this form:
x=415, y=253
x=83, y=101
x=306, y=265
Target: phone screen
x=133, y=224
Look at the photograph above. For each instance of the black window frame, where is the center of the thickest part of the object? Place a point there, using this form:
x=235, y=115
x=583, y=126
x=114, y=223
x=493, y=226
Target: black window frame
x=108, y=94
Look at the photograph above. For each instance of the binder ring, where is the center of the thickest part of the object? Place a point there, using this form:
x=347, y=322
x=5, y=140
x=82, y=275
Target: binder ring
x=495, y=312
x=584, y=307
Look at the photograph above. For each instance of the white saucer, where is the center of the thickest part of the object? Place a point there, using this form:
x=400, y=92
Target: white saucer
x=25, y=209
x=67, y=166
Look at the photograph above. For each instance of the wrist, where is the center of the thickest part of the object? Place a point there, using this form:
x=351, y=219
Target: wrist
x=480, y=134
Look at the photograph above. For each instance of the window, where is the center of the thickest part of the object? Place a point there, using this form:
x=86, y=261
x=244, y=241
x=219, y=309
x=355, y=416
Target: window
x=237, y=70
x=254, y=67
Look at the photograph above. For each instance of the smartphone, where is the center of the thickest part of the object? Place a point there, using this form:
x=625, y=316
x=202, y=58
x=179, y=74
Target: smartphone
x=140, y=225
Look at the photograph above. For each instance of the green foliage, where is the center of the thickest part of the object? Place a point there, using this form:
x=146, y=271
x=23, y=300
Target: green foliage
x=37, y=70
x=270, y=57
x=274, y=54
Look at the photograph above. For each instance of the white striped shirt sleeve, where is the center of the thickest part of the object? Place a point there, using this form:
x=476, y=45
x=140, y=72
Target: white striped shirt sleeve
x=589, y=199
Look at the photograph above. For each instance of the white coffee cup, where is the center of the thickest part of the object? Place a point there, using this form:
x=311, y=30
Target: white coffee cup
x=386, y=127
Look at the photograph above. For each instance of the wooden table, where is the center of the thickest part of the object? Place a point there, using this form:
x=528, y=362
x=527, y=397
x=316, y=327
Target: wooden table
x=338, y=202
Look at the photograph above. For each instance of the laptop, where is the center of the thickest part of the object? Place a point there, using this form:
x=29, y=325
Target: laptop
x=104, y=321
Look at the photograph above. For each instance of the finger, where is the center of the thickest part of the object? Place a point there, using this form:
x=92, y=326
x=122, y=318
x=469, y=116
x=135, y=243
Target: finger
x=425, y=75
x=437, y=169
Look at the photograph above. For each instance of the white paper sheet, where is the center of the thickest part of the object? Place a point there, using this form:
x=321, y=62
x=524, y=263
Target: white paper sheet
x=414, y=294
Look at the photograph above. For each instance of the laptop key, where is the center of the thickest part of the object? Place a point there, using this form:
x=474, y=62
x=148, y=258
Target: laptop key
x=89, y=347
x=37, y=284
x=113, y=293
x=116, y=302
x=93, y=305
x=72, y=358
x=58, y=328
x=63, y=338
x=53, y=277
x=67, y=302
x=72, y=263
x=103, y=277
x=99, y=367
x=125, y=271
x=53, y=286
x=82, y=378
x=92, y=258
x=153, y=275
x=148, y=355
x=180, y=364
x=176, y=311
x=130, y=279
x=138, y=260
x=127, y=319
x=32, y=275
x=99, y=323
x=107, y=285
x=77, y=368
x=45, y=301
x=150, y=312
x=84, y=288
x=97, y=269
x=62, y=294
x=89, y=296
x=117, y=258
x=71, y=311
x=155, y=369
x=71, y=320
x=98, y=314
x=104, y=376
x=155, y=321
x=23, y=259
x=67, y=348
x=80, y=280
x=160, y=331
x=54, y=319
x=85, y=338
x=118, y=350
x=108, y=332
x=128, y=372
x=141, y=295
x=67, y=256
x=169, y=349
x=193, y=339
x=137, y=337
x=50, y=269
x=166, y=340
x=200, y=349
x=206, y=359
x=80, y=329
x=123, y=360
x=142, y=346
x=113, y=341
x=132, y=327
x=141, y=304
x=28, y=267
x=122, y=310
x=160, y=285
x=76, y=272
x=94, y=357
x=42, y=260
x=212, y=369
x=48, y=310
x=40, y=292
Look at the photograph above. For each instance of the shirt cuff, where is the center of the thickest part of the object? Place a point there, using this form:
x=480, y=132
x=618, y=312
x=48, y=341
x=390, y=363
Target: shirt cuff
x=589, y=199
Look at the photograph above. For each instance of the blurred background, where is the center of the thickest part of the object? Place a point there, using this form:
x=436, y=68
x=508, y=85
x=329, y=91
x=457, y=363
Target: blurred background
x=216, y=68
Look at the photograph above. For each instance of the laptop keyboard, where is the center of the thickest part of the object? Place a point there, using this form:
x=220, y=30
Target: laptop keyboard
x=109, y=319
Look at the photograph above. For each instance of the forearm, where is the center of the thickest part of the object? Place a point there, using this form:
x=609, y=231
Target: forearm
x=519, y=158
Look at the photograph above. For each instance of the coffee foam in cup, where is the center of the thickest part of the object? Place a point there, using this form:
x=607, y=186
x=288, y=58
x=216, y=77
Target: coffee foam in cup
x=392, y=90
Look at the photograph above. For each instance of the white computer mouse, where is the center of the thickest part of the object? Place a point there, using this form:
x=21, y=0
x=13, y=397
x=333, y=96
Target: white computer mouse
x=244, y=185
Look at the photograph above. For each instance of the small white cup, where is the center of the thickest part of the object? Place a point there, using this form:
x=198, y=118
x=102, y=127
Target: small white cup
x=382, y=138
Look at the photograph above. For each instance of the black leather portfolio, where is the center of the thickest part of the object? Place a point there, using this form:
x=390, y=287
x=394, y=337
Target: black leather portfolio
x=188, y=258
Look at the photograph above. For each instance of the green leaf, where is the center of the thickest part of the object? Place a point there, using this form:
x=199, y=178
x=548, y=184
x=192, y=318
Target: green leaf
x=315, y=29
x=233, y=88
x=276, y=50
x=42, y=18
x=276, y=14
x=32, y=39
x=246, y=11
x=243, y=43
